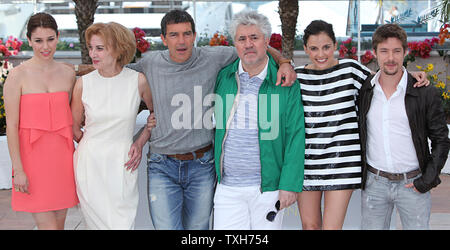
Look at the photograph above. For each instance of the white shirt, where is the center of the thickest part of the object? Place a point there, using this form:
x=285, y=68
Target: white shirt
x=262, y=75
x=390, y=146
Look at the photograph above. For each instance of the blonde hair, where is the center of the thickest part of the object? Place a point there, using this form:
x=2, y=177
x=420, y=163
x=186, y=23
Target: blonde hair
x=118, y=39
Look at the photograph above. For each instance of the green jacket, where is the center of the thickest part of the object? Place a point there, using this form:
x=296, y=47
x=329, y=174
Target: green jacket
x=281, y=127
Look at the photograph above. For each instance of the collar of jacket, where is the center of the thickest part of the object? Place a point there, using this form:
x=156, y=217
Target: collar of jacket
x=410, y=90
x=270, y=72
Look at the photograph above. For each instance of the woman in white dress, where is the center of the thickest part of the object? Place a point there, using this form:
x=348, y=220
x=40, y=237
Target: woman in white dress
x=106, y=101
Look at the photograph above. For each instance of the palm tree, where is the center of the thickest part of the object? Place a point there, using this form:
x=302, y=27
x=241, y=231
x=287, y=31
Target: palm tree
x=445, y=14
x=85, y=11
x=288, y=10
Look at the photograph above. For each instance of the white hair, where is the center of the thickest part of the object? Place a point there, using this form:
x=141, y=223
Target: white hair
x=251, y=17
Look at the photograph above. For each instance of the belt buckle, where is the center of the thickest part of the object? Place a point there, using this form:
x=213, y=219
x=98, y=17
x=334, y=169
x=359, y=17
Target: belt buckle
x=398, y=176
x=185, y=157
x=182, y=157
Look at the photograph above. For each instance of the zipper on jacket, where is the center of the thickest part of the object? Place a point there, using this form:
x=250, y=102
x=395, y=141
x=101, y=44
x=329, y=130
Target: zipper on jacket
x=257, y=129
x=230, y=118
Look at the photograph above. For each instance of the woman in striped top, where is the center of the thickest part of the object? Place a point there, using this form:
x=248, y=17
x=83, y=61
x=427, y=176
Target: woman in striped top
x=332, y=154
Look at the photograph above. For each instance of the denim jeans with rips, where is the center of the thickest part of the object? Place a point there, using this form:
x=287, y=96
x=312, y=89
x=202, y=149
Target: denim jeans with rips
x=381, y=195
x=180, y=192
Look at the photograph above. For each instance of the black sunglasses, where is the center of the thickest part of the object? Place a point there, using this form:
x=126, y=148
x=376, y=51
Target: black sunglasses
x=271, y=215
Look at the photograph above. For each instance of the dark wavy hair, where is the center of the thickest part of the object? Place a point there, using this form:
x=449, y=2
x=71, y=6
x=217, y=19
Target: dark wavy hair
x=389, y=30
x=316, y=27
x=176, y=16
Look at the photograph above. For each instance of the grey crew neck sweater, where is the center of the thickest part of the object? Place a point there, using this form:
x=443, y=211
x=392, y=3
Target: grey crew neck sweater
x=178, y=91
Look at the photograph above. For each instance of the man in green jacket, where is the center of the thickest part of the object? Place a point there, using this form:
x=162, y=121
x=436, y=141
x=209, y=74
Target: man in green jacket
x=260, y=134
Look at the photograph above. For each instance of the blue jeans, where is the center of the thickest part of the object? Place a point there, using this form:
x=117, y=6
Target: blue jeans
x=181, y=192
x=380, y=196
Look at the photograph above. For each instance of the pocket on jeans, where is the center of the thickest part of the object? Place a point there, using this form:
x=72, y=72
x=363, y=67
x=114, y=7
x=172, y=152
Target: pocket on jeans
x=156, y=158
x=207, y=158
x=411, y=189
x=370, y=179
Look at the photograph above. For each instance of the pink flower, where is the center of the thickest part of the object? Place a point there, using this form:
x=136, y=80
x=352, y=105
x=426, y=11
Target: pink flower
x=11, y=47
x=348, y=41
x=142, y=45
x=342, y=51
x=367, y=57
x=422, y=48
x=434, y=40
x=347, y=50
x=4, y=50
x=276, y=41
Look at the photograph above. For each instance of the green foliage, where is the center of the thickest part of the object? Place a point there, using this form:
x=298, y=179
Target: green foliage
x=62, y=45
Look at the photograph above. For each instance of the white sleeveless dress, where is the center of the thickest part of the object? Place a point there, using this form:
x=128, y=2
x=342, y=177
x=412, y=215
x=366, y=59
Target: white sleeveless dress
x=108, y=193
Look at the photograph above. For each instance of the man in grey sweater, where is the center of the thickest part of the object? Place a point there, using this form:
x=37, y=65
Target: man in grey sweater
x=181, y=170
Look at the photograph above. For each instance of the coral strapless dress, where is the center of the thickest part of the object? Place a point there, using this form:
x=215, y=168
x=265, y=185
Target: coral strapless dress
x=46, y=151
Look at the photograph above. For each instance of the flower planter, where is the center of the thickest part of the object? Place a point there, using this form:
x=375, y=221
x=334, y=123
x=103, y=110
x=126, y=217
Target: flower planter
x=5, y=165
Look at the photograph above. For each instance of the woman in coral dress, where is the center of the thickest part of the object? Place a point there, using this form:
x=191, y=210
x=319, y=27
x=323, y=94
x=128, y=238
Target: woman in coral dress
x=107, y=101
x=37, y=95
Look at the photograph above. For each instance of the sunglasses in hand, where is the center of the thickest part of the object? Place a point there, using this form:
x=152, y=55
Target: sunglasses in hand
x=272, y=214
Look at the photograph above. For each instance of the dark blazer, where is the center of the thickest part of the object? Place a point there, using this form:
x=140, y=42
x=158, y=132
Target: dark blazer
x=426, y=119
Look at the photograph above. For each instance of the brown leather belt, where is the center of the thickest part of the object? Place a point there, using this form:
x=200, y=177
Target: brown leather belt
x=392, y=176
x=190, y=156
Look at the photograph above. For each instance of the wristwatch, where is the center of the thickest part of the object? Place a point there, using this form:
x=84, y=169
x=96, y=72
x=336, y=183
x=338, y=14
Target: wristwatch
x=76, y=68
x=287, y=61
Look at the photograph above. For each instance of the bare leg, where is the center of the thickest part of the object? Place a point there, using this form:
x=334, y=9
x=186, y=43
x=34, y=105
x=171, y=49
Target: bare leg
x=61, y=218
x=309, y=206
x=335, y=208
x=51, y=220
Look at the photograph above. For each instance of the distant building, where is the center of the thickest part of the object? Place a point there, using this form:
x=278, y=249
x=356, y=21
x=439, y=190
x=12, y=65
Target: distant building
x=417, y=17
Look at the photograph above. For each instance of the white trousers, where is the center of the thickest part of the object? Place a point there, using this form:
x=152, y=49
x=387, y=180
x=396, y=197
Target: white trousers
x=245, y=208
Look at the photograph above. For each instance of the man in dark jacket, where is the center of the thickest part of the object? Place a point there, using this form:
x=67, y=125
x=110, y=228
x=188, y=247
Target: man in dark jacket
x=396, y=121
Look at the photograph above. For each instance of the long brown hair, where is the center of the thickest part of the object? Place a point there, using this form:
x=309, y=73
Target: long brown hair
x=43, y=20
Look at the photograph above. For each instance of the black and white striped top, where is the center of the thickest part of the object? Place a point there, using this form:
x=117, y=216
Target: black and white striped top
x=332, y=155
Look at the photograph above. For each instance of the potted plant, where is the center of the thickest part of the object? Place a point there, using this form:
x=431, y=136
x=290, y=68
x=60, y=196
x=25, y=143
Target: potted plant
x=436, y=79
x=10, y=47
x=347, y=49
